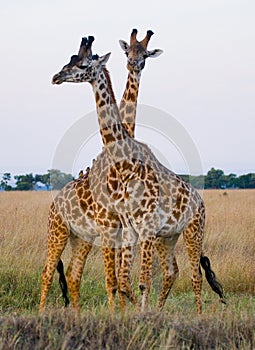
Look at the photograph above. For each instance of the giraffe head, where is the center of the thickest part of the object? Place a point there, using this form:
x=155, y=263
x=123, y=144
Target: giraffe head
x=137, y=51
x=83, y=67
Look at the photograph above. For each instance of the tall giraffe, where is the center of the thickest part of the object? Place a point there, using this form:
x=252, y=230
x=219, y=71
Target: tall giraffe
x=66, y=218
x=149, y=199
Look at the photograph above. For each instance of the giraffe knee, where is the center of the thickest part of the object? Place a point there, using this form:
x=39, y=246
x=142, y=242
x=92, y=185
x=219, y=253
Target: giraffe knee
x=124, y=286
x=171, y=275
x=114, y=290
x=142, y=287
x=111, y=285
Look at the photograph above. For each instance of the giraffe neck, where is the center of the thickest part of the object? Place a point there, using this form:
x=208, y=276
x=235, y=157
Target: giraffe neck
x=113, y=134
x=128, y=103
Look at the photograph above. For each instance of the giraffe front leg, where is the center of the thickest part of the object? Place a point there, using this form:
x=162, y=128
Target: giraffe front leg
x=165, y=249
x=80, y=251
x=126, y=260
x=124, y=285
x=110, y=275
x=122, y=296
x=146, y=271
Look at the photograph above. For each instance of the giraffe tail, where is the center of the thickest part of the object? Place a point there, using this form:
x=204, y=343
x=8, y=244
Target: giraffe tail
x=62, y=282
x=211, y=278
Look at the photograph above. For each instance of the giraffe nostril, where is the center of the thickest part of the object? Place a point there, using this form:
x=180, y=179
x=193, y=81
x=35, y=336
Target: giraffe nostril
x=131, y=62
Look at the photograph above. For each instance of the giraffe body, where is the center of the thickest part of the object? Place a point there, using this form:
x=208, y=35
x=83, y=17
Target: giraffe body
x=134, y=175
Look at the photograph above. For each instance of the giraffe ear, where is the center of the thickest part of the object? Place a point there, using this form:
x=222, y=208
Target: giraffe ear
x=154, y=53
x=124, y=45
x=103, y=59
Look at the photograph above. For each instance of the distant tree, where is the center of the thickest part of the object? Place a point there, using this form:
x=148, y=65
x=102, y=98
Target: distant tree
x=38, y=178
x=195, y=181
x=229, y=181
x=214, y=178
x=198, y=181
x=45, y=178
x=57, y=179
x=4, y=183
x=246, y=181
x=185, y=177
x=24, y=182
x=252, y=180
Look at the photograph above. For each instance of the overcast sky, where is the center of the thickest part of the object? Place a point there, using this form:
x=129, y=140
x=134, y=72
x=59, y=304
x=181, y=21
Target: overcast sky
x=205, y=79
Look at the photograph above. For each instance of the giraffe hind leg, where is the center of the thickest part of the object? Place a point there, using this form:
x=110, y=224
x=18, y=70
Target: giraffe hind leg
x=80, y=251
x=166, y=250
x=193, y=238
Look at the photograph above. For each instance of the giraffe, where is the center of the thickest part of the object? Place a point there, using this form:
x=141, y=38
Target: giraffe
x=150, y=200
x=79, y=194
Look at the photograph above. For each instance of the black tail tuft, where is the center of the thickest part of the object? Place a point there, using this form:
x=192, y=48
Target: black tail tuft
x=211, y=278
x=62, y=282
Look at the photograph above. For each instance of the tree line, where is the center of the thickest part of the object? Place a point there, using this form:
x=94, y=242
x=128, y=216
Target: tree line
x=215, y=178
x=55, y=180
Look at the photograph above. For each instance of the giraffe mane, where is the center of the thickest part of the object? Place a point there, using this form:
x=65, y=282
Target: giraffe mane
x=109, y=83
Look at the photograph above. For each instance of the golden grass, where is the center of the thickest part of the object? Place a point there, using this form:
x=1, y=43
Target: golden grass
x=229, y=243
x=23, y=228
x=229, y=237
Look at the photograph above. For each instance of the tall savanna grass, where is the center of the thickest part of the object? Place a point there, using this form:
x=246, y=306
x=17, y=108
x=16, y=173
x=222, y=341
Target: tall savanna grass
x=229, y=243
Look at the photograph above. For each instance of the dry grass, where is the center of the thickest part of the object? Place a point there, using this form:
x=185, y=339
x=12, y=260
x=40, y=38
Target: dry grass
x=230, y=237
x=23, y=227
x=229, y=242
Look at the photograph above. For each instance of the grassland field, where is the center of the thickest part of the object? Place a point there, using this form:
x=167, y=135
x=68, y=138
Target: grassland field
x=229, y=243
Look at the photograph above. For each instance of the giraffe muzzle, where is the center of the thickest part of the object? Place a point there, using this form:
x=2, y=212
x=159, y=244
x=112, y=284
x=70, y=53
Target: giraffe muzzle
x=57, y=79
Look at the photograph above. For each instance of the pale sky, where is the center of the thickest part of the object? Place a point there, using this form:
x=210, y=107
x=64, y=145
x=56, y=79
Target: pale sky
x=205, y=79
